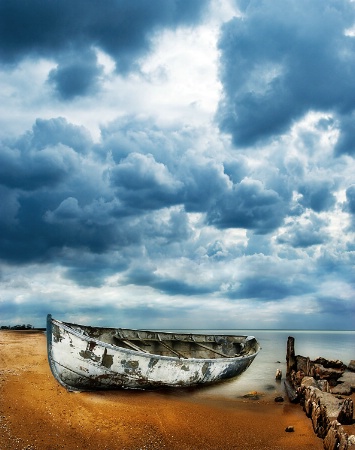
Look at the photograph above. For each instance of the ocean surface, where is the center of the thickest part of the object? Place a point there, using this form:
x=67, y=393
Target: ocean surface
x=260, y=376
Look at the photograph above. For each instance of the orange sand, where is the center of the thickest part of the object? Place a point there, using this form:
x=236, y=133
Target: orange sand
x=37, y=413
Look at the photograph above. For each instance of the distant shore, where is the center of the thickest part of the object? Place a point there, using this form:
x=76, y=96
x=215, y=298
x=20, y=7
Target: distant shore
x=36, y=413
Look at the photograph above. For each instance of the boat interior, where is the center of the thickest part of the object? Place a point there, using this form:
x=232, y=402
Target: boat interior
x=180, y=345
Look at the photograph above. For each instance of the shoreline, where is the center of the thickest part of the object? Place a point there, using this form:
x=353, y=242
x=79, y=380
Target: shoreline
x=37, y=413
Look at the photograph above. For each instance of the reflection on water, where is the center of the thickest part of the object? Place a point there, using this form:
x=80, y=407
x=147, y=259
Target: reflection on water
x=260, y=376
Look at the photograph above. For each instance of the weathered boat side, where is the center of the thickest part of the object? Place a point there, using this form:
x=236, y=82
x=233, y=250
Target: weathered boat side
x=52, y=363
x=86, y=358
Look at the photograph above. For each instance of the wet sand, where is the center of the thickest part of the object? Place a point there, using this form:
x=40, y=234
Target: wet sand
x=37, y=413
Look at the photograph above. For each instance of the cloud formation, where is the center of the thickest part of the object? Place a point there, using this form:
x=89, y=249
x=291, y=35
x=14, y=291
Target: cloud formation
x=249, y=205
x=68, y=33
x=281, y=60
x=241, y=216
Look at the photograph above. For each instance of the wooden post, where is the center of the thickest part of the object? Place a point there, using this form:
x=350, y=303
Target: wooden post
x=291, y=392
x=346, y=413
x=291, y=363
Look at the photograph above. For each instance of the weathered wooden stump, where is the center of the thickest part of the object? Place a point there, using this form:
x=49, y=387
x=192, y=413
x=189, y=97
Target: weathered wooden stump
x=290, y=356
x=291, y=392
x=278, y=374
x=336, y=438
x=313, y=384
x=345, y=415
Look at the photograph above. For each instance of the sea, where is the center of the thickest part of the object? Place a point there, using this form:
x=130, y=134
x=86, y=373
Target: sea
x=259, y=379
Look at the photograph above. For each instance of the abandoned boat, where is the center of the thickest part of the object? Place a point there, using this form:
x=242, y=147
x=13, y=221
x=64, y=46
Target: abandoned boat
x=89, y=358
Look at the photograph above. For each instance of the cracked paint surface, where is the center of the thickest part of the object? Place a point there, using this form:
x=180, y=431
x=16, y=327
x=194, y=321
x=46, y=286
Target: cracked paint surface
x=80, y=362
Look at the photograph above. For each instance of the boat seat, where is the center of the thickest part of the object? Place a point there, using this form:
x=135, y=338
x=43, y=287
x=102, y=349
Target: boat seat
x=128, y=343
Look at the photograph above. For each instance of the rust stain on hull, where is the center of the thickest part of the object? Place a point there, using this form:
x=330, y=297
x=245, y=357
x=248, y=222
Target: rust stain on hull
x=107, y=360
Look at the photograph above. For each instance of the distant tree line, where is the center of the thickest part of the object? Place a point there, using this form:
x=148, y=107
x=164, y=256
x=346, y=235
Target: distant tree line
x=17, y=327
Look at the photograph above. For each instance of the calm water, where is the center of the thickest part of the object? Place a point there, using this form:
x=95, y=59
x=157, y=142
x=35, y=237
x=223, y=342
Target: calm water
x=260, y=376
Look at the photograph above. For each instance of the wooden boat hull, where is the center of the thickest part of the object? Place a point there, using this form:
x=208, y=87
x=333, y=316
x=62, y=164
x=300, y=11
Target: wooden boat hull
x=79, y=360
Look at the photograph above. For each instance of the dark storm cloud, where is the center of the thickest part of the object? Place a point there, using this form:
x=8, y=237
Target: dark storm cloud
x=168, y=285
x=158, y=172
x=204, y=182
x=92, y=269
x=304, y=235
x=143, y=183
x=98, y=209
x=58, y=131
x=268, y=288
x=162, y=167
x=249, y=205
x=67, y=31
x=282, y=59
x=56, y=196
x=159, y=214
x=78, y=75
x=62, y=199
x=51, y=194
x=43, y=157
x=337, y=307
x=317, y=195
x=235, y=169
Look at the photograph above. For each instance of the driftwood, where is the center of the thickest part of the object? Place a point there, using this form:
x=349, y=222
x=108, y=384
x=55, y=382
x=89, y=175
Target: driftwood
x=334, y=408
x=327, y=414
x=312, y=383
x=298, y=366
x=309, y=381
x=291, y=392
x=346, y=413
x=290, y=355
x=336, y=438
x=333, y=404
x=348, y=379
x=278, y=374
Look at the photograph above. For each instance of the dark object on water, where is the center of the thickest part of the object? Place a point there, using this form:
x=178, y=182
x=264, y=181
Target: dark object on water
x=88, y=358
x=289, y=429
x=279, y=399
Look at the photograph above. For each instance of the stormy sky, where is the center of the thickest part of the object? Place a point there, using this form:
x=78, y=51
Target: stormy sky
x=178, y=164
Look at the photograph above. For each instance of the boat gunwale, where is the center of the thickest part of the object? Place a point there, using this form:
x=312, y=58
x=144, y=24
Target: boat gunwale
x=116, y=348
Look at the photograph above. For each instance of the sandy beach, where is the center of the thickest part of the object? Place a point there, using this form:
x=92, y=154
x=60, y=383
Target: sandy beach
x=37, y=413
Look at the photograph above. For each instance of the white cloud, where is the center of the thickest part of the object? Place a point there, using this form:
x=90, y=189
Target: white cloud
x=162, y=221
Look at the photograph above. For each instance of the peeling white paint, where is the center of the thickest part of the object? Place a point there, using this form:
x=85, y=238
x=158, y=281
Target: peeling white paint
x=80, y=361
